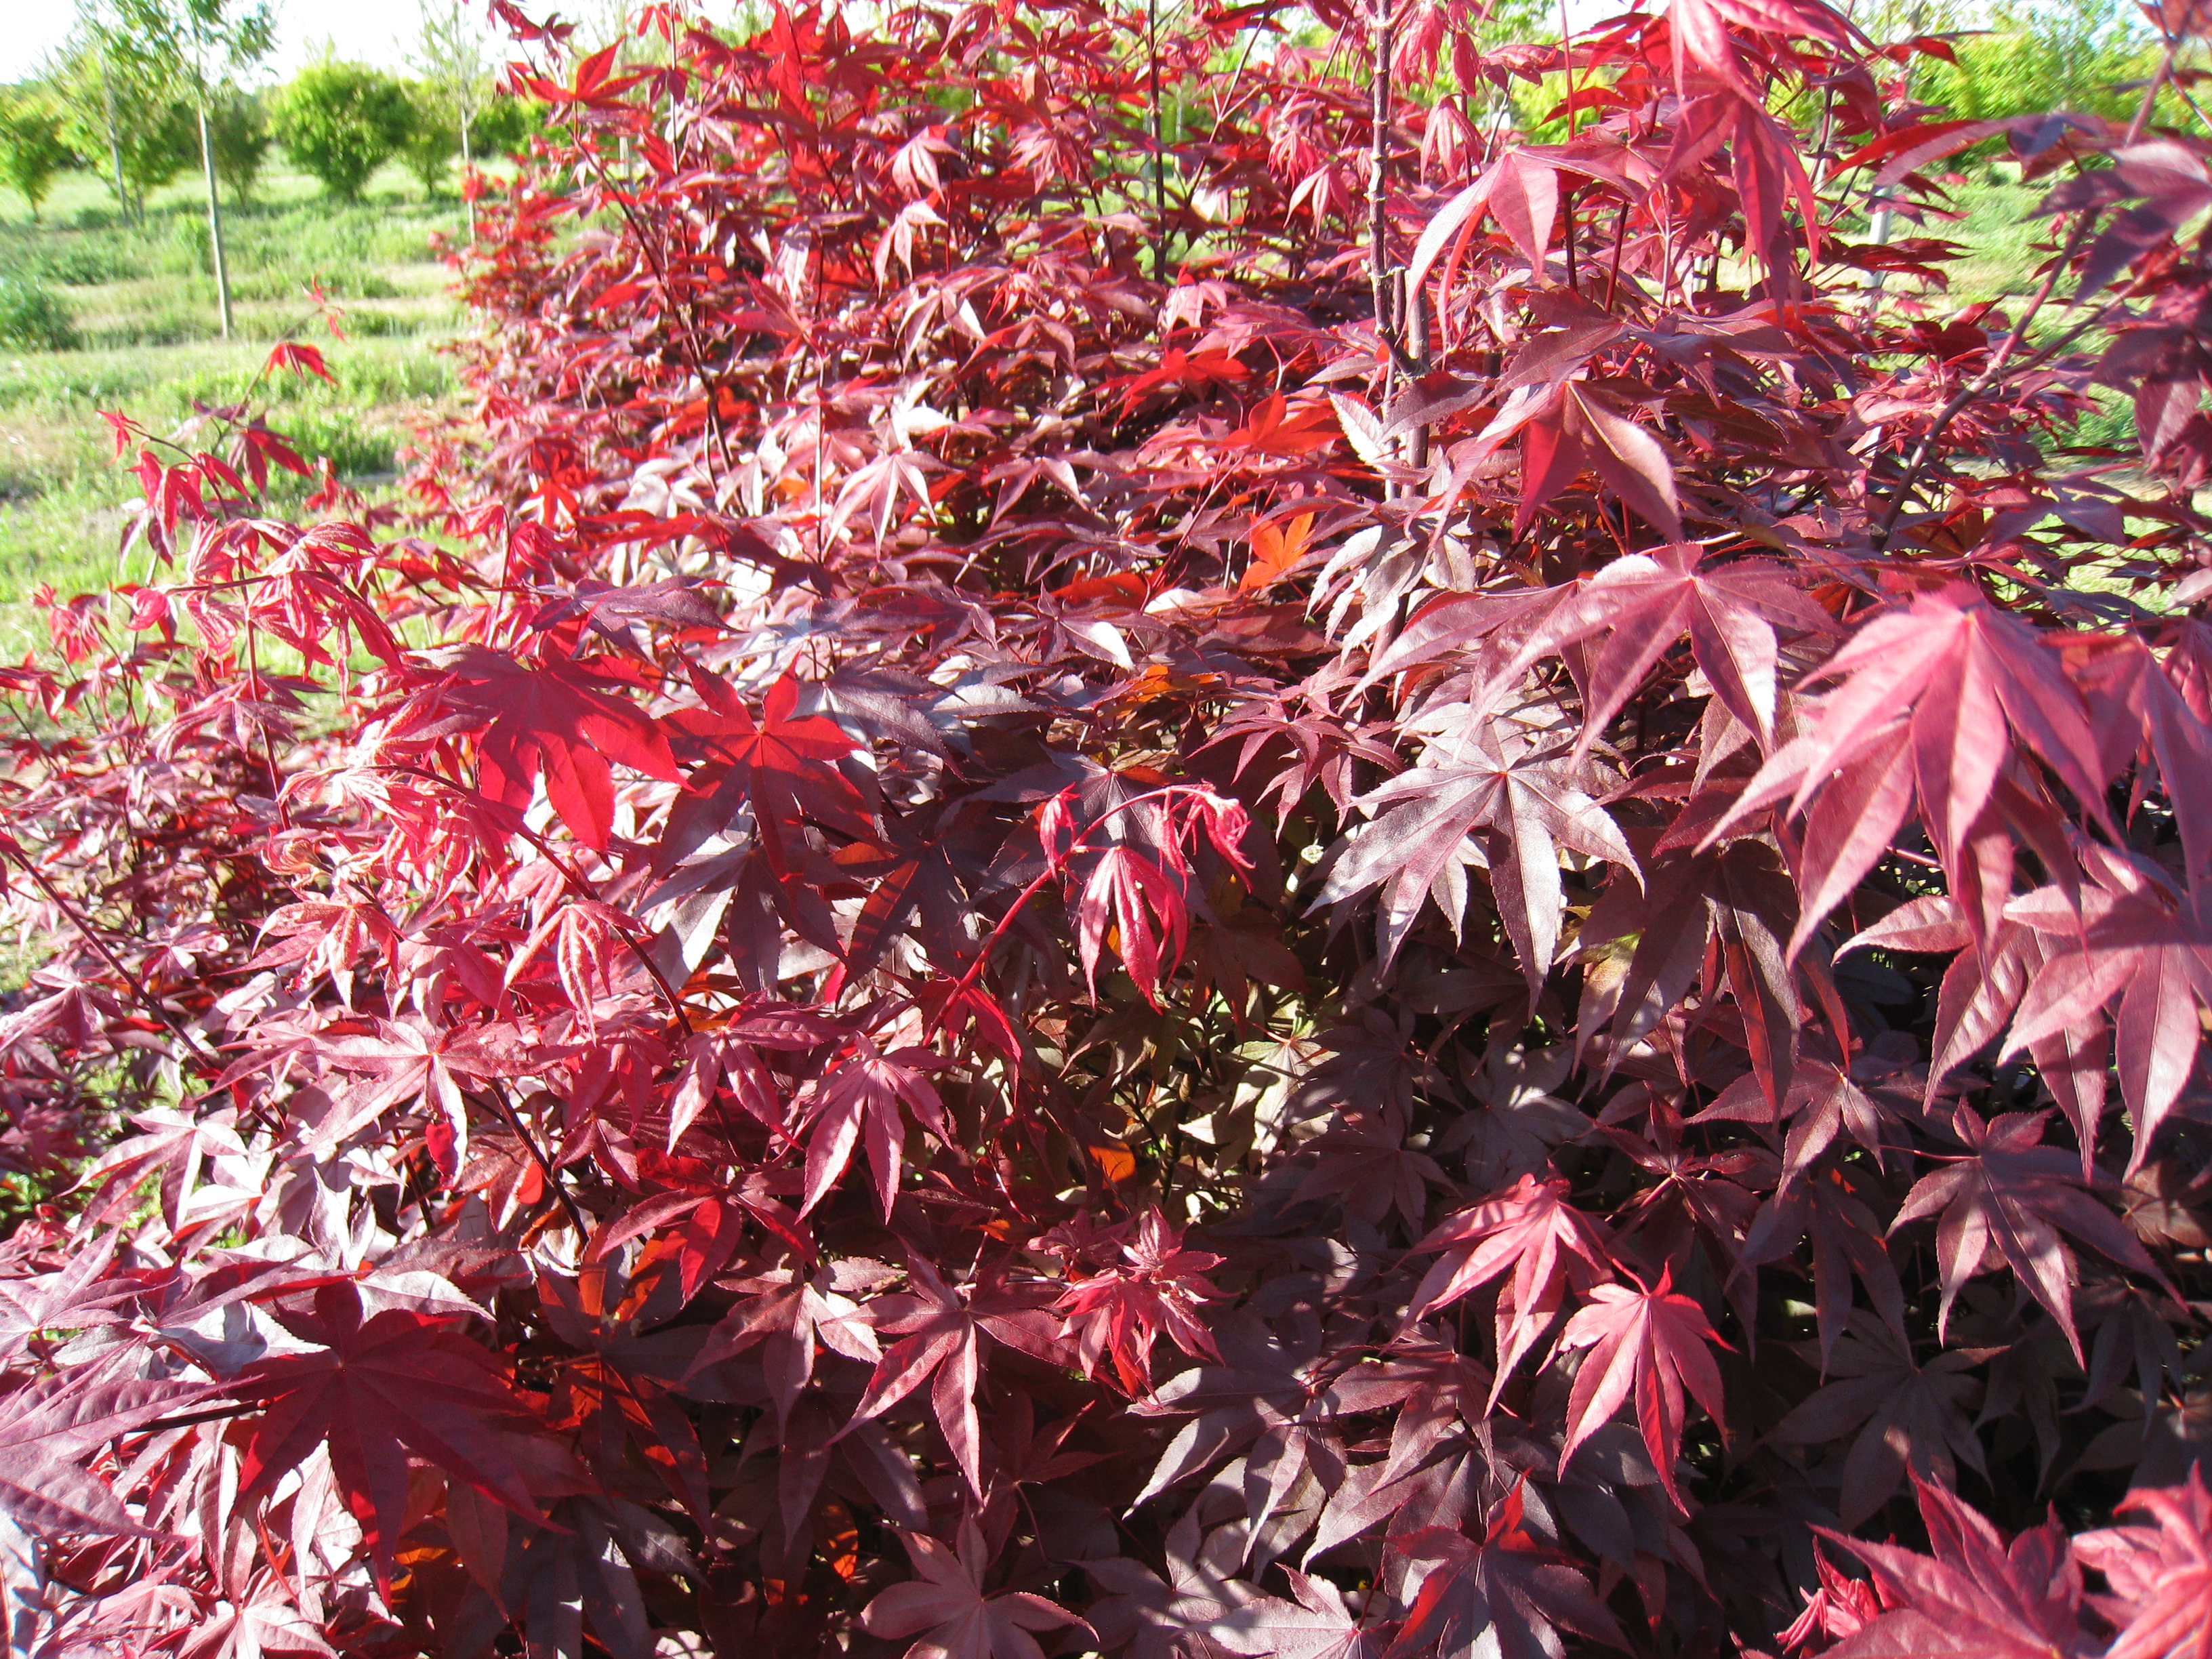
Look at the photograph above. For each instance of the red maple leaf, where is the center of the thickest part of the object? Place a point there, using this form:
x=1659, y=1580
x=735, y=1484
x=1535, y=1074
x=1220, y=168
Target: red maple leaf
x=411, y=1057
x=2130, y=941
x=548, y=724
x=859, y=1100
x=1529, y=1229
x=1641, y=604
x=373, y=1391
x=946, y=1605
x=1145, y=908
x=300, y=357
x=941, y=1331
x=713, y=1213
x=1277, y=550
x=2007, y=1200
x=2161, y=1575
x=1519, y=800
x=785, y=1314
x=1975, y=1596
x=1502, y=1593
x=1649, y=1345
x=1934, y=696
x=51, y=1424
x=1904, y=1413
x=785, y=763
x=1122, y=1310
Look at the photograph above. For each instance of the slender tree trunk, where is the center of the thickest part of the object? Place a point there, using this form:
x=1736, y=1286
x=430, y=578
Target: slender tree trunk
x=215, y=223
x=1878, y=228
x=114, y=143
x=1159, y=162
x=1378, y=183
x=468, y=166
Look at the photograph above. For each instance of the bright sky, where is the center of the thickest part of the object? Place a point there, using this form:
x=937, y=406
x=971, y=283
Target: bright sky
x=368, y=31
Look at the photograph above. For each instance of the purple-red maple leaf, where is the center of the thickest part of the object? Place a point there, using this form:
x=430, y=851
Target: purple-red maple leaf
x=947, y=1607
x=941, y=1330
x=1650, y=1346
x=860, y=1101
x=1531, y=1230
x=1973, y=1596
x=2160, y=1575
x=785, y=762
x=1641, y=604
x=550, y=724
x=1119, y=1311
x=1143, y=906
x=1935, y=696
x=2007, y=1200
x=411, y=1057
x=372, y=1392
x=1905, y=1414
x=1502, y=1593
x=50, y=1424
x=1495, y=797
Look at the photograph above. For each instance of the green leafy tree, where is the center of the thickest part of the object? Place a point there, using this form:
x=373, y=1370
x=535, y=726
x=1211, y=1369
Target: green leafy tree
x=32, y=148
x=456, y=66
x=121, y=104
x=504, y=126
x=239, y=125
x=202, y=48
x=341, y=122
x=434, y=137
x=2081, y=57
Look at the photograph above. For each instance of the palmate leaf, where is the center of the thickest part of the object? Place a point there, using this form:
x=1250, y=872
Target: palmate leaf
x=947, y=1607
x=1901, y=1414
x=550, y=724
x=1934, y=696
x=262, y=1620
x=1157, y=1288
x=1645, y=1345
x=2129, y=941
x=860, y=1102
x=942, y=1333
x=2008, y=1199
x=78, y=1295
x=411, y=1059
x=1530, y=1228
x=785, y=763
x=373, y=1390
x=1566, y=427
x=1144, y=908
x=1975, y=1596
x=787, y=1316
x=49, y=1426
x=1828, y=1205
x=1317, y=1624
x=2160, y=1574
x=1502, y=1594
x=1502, y=801
x=1642, y=604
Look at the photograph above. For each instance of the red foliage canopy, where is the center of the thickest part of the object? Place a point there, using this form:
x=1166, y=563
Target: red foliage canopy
x=1148, y=852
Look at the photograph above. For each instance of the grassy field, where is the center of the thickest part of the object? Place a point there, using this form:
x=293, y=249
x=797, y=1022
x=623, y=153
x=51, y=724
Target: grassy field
x=143, y=307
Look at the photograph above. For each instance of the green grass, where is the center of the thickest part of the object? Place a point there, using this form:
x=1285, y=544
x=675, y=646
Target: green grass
x=142, y=304
x=1999, y=228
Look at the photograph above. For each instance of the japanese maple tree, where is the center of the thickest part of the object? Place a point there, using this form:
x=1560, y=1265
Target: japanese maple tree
x=1246, y=829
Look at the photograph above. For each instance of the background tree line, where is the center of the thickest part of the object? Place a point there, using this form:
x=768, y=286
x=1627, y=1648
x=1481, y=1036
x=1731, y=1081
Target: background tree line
x=125, y=97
